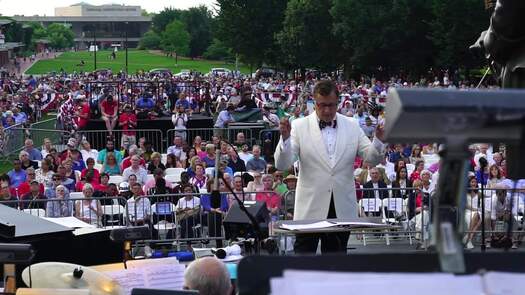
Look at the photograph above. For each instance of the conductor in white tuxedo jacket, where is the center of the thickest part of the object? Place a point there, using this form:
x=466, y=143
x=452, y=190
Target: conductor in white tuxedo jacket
x=325, y=143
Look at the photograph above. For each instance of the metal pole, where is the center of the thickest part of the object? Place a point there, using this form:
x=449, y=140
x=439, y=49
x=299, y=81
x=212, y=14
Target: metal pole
x=95, y=47
x=126, y=44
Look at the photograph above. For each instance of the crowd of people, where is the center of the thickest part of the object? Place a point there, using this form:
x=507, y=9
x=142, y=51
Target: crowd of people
x=49, y=173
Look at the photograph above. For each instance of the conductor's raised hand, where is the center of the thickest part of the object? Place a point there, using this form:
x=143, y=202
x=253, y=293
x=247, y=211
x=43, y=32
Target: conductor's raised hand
x=285, y=128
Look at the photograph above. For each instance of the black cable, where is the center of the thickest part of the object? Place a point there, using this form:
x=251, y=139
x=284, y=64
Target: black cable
x=30, y=278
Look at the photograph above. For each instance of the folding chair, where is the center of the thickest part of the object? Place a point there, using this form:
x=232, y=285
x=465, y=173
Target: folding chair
x=36, y=212
x=113, y=216
x=174, y=171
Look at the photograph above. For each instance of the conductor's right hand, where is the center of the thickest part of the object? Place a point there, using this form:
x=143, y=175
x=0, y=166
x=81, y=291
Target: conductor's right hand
x=285, y=128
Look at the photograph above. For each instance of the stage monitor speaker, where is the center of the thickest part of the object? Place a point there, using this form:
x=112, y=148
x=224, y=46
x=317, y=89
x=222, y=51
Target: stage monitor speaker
x=430, y=115
x=237, y=224
x=7, y=229
x=136, y=233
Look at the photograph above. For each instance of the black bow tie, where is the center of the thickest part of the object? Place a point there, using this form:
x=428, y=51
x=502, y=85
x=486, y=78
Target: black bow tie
x=323, y=124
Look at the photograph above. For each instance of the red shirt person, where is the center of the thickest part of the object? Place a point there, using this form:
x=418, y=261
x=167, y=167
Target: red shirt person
x=128, y=122
x=108, y=108
x=81, y=112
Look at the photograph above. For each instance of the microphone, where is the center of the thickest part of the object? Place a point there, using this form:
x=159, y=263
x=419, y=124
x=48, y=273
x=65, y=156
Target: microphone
x=221, y=253
x=215, y=197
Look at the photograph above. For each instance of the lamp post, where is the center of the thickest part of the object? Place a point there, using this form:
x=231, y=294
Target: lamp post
x=126, y=44
x=95, y=47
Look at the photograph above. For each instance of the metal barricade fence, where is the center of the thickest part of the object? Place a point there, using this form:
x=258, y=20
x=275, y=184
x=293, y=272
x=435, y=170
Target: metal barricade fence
x=58, y=137
x=104, y=212
x=12, y=140
x=98, y=138
x=228, y=134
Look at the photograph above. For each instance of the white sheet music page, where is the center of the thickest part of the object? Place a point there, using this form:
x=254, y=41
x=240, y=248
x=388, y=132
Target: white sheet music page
x=504, y=283
x=128, y=279
x=338, y=283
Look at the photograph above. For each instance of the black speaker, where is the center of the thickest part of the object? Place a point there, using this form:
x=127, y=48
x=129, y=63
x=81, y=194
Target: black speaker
x=135, y=233
x=237, y=224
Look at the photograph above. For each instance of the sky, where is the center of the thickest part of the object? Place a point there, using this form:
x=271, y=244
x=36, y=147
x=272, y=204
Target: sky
x=47, y=7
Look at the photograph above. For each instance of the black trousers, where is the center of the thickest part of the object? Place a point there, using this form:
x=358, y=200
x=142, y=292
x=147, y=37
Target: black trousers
x=330, y=243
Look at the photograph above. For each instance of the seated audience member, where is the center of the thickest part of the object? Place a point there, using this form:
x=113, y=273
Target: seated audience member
x=155, y=163
x=191, y=153
x=126, y=162
x=62, y=206
x=373, y=185
x=7, y=196
x=30, y=199
x=17, y=175
x=420, y=166
x=188, y=209
x=144, y=106
x=245, y=154
x=77, y=161
x=68, y=165
x=88, y=209
x=103, y=182
x=503, y=212
x=177, y=148
x=71, y=145
x=91, y=168
x=148, y=151
x=401, y=182
x=365, y=177
x=52, y=157
x=234, y=162
x=110, y=148
x=44, y=174
x=199, y=178
x=109, y=109
x=288, y=200
x=256, y=184
x=495, y=176
x=46, y=147
x=66, y=181
x=238, y=189
x=172, y=161
x=24, y=187
x=88, y=178
x=209, y=159
x=87, y=152
x=136, y=169
x=111, y=166
x=240, y=140
x=34, y=154
x=256, y=163
x=271, y=198
x=213, y=216
x=416, y=156
x=124, y=191
x=428, y=186
x=193, y=163
x=472, y=212
x=278, y=185
x=138, y=207
x=26, y=162
x=128, y=122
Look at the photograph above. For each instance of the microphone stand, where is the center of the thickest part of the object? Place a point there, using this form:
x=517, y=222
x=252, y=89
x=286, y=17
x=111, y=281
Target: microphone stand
x=483, y=164
x=253, y=220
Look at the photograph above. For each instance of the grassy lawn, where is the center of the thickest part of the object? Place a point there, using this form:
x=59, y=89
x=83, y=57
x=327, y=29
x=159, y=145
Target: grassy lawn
x=137, y=60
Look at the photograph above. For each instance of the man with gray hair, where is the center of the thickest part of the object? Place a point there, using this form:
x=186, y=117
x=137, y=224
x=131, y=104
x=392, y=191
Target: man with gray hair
x=34, y=154
x=209, y=276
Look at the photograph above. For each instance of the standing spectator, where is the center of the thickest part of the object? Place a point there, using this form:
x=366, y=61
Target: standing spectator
x=82, y=112
x=128, y=122
x=34, y=154
x=17, y=175
x=109, y=109
x=180, y=119
x=256, y=163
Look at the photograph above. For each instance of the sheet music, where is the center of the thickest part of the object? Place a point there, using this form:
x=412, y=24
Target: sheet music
x=145, y=263
x=168, y=276
x=328, y=224
x=319, y=282
x=128, y=279
x=504, y=283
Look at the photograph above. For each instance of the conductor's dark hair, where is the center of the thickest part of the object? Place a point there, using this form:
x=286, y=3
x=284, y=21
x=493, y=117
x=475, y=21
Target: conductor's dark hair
x=325, y=88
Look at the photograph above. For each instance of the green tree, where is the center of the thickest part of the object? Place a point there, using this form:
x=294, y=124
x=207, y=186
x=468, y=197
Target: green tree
x=60, y=36
x=306, y=38
x=218, y=51
x=150, y=40
x=162, y=19
x=176, y=39
x=198, y=22
x=455, y=26
x=379, y=36
x=248, y=27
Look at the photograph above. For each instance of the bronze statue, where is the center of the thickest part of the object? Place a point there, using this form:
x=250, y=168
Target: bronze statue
x=504, y=43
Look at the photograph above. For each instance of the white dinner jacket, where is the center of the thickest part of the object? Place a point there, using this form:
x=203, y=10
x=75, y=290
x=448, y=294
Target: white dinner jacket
x=318, y=181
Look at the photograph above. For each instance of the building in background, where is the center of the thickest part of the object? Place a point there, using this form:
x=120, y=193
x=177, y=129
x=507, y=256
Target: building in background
x=107, y=23
x=8, y=50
